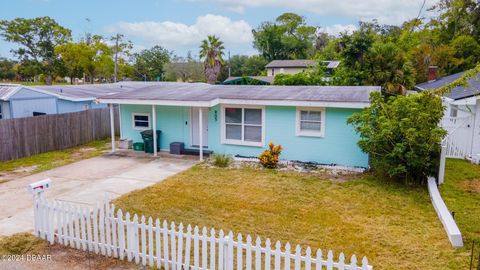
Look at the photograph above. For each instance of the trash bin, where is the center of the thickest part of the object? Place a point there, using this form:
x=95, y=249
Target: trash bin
x=138, y=146
x=147, y=137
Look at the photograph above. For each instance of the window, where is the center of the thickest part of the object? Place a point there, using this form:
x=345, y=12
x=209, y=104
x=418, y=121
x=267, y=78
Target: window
x=453, y=111
x=311, y=122
x=243, y=125
x=141, y=120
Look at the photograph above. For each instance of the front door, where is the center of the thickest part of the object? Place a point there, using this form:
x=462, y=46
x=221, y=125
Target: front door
x=195, y=126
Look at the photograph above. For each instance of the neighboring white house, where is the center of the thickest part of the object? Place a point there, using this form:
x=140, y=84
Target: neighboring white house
x=462, y=114
x=295, y=66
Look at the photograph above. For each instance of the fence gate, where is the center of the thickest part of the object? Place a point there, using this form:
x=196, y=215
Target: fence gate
x=159, y=244
x=458, y=141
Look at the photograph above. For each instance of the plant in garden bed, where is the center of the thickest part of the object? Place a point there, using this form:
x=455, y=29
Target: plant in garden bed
x=221, y=160
x=269, y=158
x=402, y=135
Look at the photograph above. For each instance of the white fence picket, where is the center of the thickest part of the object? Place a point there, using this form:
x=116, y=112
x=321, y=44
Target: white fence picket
x=150, y=242
x=170, y=246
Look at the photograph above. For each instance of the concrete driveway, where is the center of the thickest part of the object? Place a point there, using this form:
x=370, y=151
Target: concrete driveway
x=87, y=182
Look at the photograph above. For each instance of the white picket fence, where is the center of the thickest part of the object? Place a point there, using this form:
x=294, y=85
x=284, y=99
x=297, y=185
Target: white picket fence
x=157, y=244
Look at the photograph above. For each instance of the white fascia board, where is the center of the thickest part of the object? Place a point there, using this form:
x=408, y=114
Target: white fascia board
x=354, y=105
x=156, y=102
x=465, y=101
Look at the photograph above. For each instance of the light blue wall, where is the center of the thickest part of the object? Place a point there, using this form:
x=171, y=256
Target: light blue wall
x=25, y=102
x=66, y=106
x=172, y=121
x=338, y=146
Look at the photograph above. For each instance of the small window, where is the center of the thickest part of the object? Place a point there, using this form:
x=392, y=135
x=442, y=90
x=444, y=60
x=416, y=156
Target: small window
x=141, y=120
x=453, y=111
x=38, y=113
x=243, y=126
x=310, y=122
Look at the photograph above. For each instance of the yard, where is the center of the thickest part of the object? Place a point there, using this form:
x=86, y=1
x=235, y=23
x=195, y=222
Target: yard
x=394, y=226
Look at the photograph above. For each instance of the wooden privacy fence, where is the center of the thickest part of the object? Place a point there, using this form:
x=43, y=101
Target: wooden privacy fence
x=22, y=137
x=157, y=244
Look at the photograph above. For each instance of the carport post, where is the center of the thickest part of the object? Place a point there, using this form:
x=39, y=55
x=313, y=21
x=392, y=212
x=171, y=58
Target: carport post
x=200, y=132
x=154, y=126
x=112, y=126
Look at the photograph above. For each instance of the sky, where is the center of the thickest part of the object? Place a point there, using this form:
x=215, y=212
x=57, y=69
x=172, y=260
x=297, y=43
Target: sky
x=180, y=25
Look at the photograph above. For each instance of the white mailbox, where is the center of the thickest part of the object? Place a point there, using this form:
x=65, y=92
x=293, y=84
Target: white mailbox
x=40, y=186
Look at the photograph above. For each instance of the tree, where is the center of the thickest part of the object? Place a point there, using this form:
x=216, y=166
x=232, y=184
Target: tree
x=37, y=39
x=7, y=71
x=121, y=48
x=314, y=76
x=211, y=51
x=467, y=50
x=76, y=58
x=242, y=65
x=287, y=38
x=402, y=135
x=388, y=66
x=152, y=62
x=184, y=69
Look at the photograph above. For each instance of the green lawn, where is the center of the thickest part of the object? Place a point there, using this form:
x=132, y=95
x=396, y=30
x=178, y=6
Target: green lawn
x=396, y=227
x=49, y=160
x=461, y=193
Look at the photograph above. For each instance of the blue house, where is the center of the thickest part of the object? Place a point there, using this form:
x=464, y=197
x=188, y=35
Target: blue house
x=24, y=101
x=308, y=121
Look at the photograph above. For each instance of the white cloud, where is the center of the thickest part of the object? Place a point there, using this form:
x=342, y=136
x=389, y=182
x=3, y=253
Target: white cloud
x=336, y=29
x=386, y=11
x=175, y=35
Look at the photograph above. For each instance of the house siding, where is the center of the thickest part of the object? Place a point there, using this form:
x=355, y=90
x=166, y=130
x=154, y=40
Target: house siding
x=172, y=121
x=25, y=102
x=338, y=146
x=67, y=106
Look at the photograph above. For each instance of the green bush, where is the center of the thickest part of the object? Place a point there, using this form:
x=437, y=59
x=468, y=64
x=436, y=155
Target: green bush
x=221, y=160
x=402, y=135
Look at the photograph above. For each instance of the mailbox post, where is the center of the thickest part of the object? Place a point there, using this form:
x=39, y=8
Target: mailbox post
x=38, y=189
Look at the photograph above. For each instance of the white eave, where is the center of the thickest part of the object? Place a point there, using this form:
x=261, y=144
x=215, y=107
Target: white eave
x=356, y=105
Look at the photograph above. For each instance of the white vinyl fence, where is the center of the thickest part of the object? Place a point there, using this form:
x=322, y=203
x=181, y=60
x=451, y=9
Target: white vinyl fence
x=148, y=242
x=458, y=141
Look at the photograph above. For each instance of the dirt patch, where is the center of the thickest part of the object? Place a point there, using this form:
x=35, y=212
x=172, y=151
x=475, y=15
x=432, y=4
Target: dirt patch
x=6, y=176
x=471, y=186
x=58, y=257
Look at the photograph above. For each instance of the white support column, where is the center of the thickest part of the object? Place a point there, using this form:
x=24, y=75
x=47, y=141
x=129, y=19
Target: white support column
x=120, y=120
x=112, y=126
x=154, y=126
x=200, y=132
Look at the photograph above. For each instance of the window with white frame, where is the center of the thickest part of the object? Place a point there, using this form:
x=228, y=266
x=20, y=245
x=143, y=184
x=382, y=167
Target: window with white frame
x=310, y=122
x=243, y=125
x=141, y=120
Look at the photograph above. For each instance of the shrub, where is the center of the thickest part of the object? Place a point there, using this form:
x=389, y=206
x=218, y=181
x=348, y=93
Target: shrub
x=402, y=135
x=221, y=160
x=269, y=158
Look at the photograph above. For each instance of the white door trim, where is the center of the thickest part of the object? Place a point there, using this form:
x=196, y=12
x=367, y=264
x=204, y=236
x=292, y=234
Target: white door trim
x=192, y=132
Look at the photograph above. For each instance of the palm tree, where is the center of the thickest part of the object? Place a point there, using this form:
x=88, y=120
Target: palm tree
x=211, y=51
